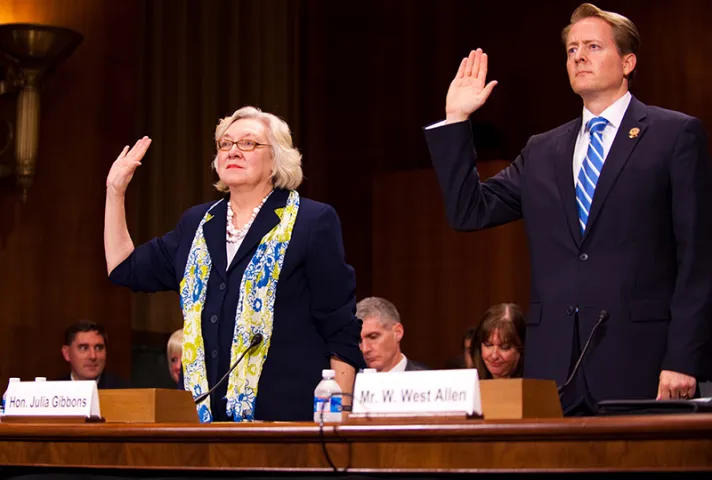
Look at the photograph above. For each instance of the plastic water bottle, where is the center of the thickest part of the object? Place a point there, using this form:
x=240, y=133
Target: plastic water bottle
x=4, y=395
x=327, y=398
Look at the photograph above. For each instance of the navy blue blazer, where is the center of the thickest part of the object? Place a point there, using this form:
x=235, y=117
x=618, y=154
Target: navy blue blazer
x=412, y=365
x=646, y=256
x=314, y=311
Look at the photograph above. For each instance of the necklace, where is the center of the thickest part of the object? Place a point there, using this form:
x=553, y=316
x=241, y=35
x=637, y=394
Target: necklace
x=234, y=235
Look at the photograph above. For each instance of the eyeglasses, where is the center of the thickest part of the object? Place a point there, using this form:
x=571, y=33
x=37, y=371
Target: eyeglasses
x=225, y=144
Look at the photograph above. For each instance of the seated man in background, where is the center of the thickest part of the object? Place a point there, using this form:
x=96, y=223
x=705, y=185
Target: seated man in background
x=85, y=351
x=381, y=334
x=174, y=353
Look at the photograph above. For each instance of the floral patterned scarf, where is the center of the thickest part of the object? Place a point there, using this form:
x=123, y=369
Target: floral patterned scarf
x=255, y=312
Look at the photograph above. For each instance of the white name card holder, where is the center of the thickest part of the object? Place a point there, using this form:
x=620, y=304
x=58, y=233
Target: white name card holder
x=440, y=393
x=52, y=402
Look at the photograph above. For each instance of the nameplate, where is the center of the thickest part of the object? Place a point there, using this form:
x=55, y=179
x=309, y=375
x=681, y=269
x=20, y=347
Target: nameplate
x=53, y=399
x=423, y=392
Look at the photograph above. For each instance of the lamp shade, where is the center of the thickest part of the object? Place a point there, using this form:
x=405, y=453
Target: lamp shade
x=37, y=48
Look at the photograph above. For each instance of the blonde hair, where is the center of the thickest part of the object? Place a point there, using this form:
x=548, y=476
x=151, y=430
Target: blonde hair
x=287, y=168
x=625, y=33
x=175, y=342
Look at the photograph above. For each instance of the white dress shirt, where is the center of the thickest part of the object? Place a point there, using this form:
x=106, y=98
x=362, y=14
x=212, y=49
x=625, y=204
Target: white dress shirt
x=74, y=379
x=400, y=366
x=232, y=249
x=614, y=114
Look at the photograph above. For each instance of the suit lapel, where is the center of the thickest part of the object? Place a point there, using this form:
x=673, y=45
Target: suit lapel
x=621, y=149
x=565, y=145
x=265, y=221
x=214, y=233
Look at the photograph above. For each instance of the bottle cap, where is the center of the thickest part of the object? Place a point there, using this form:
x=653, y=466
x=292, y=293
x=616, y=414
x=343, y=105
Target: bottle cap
x=14, y=379
x=40, y=379
x=328, y=373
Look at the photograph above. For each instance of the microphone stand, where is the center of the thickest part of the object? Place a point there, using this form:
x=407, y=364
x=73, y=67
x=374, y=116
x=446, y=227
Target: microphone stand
x=602, y=317
x=256, y=340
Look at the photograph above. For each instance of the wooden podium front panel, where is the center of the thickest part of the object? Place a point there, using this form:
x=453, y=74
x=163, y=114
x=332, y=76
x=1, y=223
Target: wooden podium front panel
x=650, y=443
x=147, y=405
x=519, y=398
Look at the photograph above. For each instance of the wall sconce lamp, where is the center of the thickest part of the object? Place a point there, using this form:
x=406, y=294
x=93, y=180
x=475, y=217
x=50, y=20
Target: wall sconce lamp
x=27, y=53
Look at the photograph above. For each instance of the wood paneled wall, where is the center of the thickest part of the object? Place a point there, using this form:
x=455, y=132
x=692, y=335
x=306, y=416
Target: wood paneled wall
x=51, y=250
x=440, y=280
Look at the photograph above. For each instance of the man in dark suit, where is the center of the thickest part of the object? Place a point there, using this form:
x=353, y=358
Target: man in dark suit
x=381, y=334
x=638, y=249
x=85, y=350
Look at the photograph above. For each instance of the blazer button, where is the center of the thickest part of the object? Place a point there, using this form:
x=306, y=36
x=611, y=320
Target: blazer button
x=583, y=257
x=214, y=319
x=570, y=310
x=223, y=286
x=214, y=354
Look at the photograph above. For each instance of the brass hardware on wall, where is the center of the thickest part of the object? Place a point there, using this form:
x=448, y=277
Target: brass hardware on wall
x=27, y=53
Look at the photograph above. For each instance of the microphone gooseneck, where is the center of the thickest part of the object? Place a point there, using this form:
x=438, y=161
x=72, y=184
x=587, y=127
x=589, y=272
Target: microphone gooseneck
x=256, y=340
x=602, y=317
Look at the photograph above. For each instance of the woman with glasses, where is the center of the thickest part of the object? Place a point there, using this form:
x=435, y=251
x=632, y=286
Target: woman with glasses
x=260, y=272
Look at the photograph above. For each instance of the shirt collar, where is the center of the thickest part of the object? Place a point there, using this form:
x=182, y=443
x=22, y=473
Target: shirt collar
x=400, y=366
x=614, y=113
x=74, y=379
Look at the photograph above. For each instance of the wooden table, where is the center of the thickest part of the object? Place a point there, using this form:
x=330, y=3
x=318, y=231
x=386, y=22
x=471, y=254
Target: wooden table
x=634, y=443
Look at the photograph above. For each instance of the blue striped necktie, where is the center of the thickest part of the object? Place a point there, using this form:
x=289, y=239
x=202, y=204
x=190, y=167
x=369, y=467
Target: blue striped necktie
x=590, y=169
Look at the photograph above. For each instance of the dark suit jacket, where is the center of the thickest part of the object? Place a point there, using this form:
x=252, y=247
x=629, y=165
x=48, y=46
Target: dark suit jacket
x=646, y=256
x=106, y=381
x=314, y=311
x=411, y=365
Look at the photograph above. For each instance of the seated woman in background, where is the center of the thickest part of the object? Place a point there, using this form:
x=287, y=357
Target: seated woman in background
x=498, y=343
x=174, y=352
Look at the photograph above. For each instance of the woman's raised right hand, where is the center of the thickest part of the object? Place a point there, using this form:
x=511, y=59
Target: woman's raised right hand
x=124, y=167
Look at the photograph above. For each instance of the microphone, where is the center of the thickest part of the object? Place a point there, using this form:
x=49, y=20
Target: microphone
x=256, y=340
x=602, y=317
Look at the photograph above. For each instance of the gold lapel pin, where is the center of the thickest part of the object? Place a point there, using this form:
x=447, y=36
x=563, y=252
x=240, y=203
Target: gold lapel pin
x=633, y=132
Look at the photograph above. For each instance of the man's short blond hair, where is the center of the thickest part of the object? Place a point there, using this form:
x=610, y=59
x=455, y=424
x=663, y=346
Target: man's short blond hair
x=625, y=33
